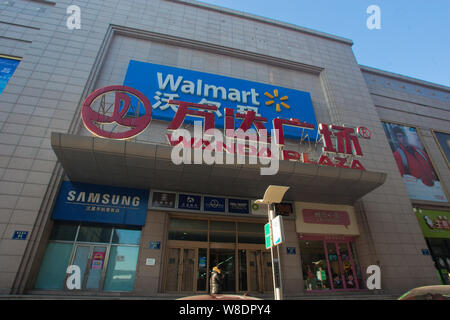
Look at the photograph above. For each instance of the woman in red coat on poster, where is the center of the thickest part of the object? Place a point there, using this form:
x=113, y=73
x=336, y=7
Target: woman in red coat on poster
x=413, y=161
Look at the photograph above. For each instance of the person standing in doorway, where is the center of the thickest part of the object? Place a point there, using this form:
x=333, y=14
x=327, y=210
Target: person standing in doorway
x=215, y=281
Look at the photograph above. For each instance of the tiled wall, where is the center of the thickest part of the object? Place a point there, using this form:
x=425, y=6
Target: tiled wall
x=61, y=66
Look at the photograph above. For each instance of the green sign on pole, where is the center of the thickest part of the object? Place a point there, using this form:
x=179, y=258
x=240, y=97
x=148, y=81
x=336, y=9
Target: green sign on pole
x=267, y=235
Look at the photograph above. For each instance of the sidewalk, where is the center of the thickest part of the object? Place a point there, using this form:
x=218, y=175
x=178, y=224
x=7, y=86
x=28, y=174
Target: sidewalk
x=334, y=296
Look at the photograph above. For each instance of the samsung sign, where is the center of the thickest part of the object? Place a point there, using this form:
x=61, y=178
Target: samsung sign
x=102, y=204
x=162, y=83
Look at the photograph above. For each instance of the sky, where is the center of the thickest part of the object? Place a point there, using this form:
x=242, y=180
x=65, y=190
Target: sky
x=413, y=39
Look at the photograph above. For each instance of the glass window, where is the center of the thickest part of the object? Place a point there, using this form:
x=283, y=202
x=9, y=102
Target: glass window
x=188, y=235
x=314, y=265
x=54, y=265
x=222, y=237
x=356, y=262
x=94, y=234
x=251, y=238
x=201, y=270
x=251, y=227
x=64, y=231
x=121, y=268
x=188, y=224
x=124, y=236
x=222, y=226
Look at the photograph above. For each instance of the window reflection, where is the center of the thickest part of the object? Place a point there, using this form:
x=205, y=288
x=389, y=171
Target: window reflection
x=314, y=265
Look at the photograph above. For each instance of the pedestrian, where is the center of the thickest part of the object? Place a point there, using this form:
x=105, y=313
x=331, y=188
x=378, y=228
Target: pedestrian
x=215, y=281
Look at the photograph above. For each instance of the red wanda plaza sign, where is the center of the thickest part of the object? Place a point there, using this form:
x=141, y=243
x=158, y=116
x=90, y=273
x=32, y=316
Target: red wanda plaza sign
x=340, y=144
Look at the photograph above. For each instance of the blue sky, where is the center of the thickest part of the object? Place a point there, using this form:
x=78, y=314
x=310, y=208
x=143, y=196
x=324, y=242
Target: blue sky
x=414, y=39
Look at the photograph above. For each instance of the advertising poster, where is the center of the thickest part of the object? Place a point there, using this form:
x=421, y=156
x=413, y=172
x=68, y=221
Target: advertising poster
x=97, y=260
x=443, y=140
x=414, y=164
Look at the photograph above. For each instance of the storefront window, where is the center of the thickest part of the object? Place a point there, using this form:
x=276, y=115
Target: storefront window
x=94, y=234
x=188, y=230
x=314, y=265
x=90, y=248
x=123, y=236
x=64, y=231
x=202, y=272
x=357, y=267
x=121, y=268
x=53, y=268
x=330, y=265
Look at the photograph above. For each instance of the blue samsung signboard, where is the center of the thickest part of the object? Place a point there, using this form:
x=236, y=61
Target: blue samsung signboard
x=102, y=204
x=162, y=83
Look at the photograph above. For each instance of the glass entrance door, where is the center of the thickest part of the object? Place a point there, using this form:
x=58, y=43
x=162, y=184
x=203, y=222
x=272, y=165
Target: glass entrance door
x=91, y=261
x=225, y=260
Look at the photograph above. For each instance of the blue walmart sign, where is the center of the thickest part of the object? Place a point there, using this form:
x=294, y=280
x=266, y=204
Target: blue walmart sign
x=162, y=83
x=103, y=204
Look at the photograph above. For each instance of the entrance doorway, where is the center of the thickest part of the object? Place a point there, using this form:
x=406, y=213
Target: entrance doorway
x=244, y=270
x=225, y=260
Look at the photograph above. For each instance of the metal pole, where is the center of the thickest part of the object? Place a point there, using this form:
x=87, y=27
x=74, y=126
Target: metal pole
x=280, y=291
x=277, y=290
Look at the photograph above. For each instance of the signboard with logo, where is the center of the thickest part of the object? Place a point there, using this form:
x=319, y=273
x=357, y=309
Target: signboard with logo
x=326, y=217
x=102, y=204
x=163, y=83
x=415, y=166
x=434, y=224
x=189, y=202
x=284, y=209
x=163, y=199
x=214, y=204
x=238, y=206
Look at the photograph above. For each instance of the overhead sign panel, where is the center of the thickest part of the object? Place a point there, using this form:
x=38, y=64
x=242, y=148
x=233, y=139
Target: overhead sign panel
x=163, y=83
x=102, y=204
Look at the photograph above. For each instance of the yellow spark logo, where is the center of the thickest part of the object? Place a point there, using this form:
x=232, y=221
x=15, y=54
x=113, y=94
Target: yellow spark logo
x=272, y=101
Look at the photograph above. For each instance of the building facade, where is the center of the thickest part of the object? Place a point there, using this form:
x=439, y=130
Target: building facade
x=368, y=180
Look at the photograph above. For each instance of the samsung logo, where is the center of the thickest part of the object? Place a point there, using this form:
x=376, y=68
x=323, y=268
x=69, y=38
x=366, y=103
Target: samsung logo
x=106, y=198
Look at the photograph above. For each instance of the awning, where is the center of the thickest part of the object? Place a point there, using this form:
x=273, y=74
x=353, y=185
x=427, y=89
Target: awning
x=141, y=165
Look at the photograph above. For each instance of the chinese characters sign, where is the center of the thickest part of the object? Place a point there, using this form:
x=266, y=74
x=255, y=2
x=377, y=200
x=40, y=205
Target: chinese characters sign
x=326, y=217
x=434, y=224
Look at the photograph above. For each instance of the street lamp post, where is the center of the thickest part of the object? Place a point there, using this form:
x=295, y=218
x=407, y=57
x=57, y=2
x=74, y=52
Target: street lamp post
x=274, y=194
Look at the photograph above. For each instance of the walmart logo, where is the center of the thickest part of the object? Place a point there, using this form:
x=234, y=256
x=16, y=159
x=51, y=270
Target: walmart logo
x=277, y=101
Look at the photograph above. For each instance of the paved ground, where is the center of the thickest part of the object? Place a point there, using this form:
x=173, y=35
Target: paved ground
x=335, y=296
